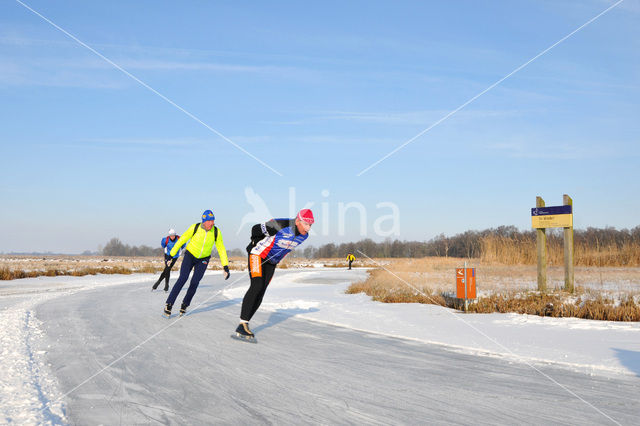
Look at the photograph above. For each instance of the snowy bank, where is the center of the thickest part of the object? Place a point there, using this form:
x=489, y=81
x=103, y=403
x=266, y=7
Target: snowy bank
x=29, y=393
x=598, y=347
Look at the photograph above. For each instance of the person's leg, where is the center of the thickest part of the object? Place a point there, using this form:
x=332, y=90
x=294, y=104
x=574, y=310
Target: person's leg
x=168, y=276
x=198, y=273
x=155, y=285
x=255, y=288
x=187, y=264
x=251, y=296
x=267, y=273
x=162, y=275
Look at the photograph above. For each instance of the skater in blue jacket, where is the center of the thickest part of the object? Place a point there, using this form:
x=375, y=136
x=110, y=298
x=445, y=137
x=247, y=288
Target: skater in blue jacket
x=167, y=244
x=270, y=243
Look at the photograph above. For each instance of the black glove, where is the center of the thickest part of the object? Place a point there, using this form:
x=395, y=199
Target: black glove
x=226, y=270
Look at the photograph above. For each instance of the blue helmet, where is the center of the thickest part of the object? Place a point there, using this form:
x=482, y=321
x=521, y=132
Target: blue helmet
x=208, y=215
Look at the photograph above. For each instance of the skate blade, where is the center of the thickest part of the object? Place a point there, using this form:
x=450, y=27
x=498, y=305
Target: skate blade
x=242, y=338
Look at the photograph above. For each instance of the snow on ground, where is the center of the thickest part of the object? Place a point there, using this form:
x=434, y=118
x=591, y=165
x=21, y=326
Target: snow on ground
x=598, y=347
x=30, y=392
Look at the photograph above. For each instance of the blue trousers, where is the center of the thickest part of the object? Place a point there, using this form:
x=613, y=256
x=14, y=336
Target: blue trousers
x=189, y=262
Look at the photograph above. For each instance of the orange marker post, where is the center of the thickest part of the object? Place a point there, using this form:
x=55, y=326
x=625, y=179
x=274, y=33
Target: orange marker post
x=465, y=284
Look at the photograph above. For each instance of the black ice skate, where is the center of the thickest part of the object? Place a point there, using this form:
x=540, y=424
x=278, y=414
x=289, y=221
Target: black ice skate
x=167, y=310
x=244, y=333
x=183, y=309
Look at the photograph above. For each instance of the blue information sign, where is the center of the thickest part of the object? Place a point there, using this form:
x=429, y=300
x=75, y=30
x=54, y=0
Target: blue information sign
x=551, y=210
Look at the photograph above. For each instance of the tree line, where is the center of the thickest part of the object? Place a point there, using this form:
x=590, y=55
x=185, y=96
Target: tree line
x=115, y=247
x=472, y=244
x=469, y=244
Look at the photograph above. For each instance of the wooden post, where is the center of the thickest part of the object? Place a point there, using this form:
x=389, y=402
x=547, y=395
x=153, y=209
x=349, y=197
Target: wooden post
x=541, y=242
x=568, y=250
x=466, y=302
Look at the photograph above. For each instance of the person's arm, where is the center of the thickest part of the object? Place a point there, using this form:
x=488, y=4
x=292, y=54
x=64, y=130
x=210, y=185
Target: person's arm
x=186, y=235
x=224, y=260
x=273, y=226
x=163, y=243
x=256, y=232
x=222, y=252
x=266, y=229
x=181, y=250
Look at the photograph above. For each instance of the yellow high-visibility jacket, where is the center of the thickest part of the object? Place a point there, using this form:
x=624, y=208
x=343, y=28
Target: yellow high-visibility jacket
x=351, y=257
x=201, y=244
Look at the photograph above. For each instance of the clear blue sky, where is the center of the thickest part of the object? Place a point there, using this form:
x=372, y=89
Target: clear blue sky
x=319, y=92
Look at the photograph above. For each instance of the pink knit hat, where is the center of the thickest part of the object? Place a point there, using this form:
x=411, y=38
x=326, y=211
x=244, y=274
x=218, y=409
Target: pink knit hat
x=306, y=215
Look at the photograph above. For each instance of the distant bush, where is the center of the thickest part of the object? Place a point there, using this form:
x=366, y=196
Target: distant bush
x=115, y=247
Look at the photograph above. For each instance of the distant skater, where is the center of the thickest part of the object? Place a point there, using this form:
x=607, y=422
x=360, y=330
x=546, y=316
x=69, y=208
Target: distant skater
x=350, y=258
x=270, y=243
x=167, y=244
x=201, y=237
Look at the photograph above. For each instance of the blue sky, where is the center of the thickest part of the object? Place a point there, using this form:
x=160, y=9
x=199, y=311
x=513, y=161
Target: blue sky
x=318, y=92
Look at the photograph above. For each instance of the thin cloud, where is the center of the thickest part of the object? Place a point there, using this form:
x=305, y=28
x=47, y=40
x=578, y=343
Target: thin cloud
x=81, y=72
x=161, y=65
x=397, y=118
x=574, y=7
x=551, y=151
x=319, y=139
x=60, y=64
x=164, y=51
x=161, y=142
x=131, y=144
x=253, y=139
x=339, y=139
x=43, y=75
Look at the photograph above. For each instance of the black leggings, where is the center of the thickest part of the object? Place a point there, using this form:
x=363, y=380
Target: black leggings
x=166, y=273
x=253, y=297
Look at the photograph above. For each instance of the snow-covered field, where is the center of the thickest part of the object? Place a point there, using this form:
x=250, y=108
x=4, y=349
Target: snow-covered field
x=95, y=349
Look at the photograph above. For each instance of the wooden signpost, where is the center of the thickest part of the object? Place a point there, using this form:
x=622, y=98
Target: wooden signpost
x=543, y=217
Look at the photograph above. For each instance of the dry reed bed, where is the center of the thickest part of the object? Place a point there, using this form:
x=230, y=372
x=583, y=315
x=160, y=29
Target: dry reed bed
x=522, y=251
x=602, y=293
x=15, y=267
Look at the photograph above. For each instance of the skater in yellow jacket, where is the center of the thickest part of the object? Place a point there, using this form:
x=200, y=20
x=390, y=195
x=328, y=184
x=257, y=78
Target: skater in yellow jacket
x=350, y=258
x=200, y=239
